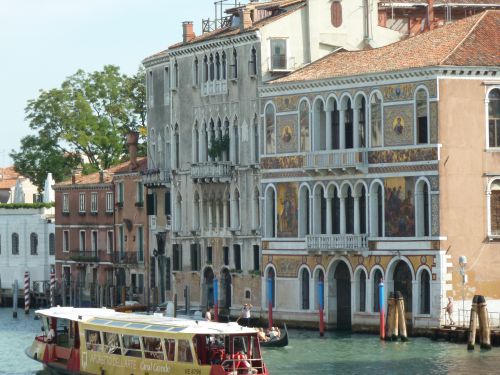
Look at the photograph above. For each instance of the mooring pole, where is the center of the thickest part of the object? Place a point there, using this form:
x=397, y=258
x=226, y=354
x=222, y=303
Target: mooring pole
x=14, y=299
x=26, y=292
x=52, y=288
x=321, y=305
x=216, y=300
x=381, y=308
x=270, y=300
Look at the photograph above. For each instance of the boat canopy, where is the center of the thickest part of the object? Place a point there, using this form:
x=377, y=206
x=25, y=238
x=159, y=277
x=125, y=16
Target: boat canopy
x=103, y=317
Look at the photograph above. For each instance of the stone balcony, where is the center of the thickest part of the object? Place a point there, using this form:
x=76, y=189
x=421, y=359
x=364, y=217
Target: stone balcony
x=337, y=160
x=156, y=177
x=214, y=87
x=216, y=171
x=337, y=243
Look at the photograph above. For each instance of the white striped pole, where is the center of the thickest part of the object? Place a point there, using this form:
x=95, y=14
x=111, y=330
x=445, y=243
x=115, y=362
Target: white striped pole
x=26, y=292
x=52, y=288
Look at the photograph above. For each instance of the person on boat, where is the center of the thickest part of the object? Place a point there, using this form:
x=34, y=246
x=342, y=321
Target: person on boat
x=51, y=336
x=274, y=333
x=262, y=335
x=245, y=314
x=208, y=314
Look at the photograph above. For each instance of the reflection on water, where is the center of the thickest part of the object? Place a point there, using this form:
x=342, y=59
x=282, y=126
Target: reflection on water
x=307, y=353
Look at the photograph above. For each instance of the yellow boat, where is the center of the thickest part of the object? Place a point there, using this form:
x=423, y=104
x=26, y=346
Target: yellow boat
x=106, y=342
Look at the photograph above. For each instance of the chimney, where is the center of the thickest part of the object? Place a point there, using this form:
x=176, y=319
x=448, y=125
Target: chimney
x=76, y=172
x=101, y=176
x=132, y=139
x=187, y=31
x=430, y=14
x=246, y=19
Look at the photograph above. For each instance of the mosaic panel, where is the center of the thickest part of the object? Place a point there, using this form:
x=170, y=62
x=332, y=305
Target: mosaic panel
x=288, y=266
x=405, y=91
x=434, y=181
x=402, y=156
x=398, y=125
x=287, y=209
x=399, y=207
x=282, y=162
x=435, y=214
x=286, y=103
x=286, y=140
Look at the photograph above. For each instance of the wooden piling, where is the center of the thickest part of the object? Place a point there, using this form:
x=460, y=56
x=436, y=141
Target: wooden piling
x=472, y=324
x=392, y=318
x=14, y=299
x=484, y=323
x=400, y=305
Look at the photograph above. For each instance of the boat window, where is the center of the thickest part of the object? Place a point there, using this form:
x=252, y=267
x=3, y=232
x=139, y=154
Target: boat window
x=184, y=351
x=93, y=339
x=240, y=344
x=62, y=333
x=170, y=349
x=152, y=348
x=137, y=325
x=132, y=345
x=111, y=343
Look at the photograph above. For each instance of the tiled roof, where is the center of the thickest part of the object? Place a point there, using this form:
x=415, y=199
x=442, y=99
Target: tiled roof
x=93, y=178
x=472, y=41
x=8, y=177
x=287, y=7
x=388, y=3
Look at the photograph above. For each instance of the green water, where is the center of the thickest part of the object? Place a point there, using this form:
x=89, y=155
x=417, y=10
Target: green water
x=307, y=353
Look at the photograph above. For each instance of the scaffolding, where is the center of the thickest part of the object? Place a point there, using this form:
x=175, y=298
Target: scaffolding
x=220, y=21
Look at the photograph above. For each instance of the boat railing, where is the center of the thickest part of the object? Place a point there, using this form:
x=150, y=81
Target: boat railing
x=236, y=365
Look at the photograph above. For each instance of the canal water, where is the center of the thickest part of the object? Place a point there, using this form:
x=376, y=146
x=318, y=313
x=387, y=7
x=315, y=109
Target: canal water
x=306, y=353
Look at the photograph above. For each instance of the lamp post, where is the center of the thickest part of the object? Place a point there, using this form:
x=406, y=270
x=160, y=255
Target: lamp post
x=462, y=262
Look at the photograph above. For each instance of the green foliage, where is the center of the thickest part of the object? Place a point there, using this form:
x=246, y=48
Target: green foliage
x=14, y=206
x=218, y=146
x=87, y=117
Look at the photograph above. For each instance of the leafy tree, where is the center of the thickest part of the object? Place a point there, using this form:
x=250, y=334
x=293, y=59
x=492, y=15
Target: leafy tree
x=87, y=118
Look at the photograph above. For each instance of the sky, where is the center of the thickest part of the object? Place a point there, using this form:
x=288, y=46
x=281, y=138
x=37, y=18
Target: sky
x=44, y=41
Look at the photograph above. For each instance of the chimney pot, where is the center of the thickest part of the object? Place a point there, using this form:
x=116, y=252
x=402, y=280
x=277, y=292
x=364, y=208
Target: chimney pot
x=246, y=19
x=187, y=31
x=132, y=140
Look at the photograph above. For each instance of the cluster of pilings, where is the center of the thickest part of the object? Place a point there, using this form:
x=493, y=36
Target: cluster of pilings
x=396, y=322
x=479, y=314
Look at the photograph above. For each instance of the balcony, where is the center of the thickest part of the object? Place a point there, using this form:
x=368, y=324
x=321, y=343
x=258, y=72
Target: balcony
x=214, y=87
x=156, y=177
x=82, y=256
x=337, y=243
x=340, y=160
x=212, y=171
x=128, y=257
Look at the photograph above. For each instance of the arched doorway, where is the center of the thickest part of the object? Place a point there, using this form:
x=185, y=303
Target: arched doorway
x=342, y=278
x=207, y=297
x=403, y=283
x=225, y=289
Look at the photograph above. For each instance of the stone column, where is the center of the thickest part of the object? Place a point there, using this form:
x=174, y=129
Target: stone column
x=342, y=128
x=328, y=130
x=217, y=215
x=224, y=214
x=356, y=215
x=329, y=206
x=202, y=214
x=355, y=127
x=342, y=215
x=210, y=223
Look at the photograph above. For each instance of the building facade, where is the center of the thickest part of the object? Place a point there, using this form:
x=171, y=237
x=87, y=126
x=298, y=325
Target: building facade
x=205, y=138
x=381, y=167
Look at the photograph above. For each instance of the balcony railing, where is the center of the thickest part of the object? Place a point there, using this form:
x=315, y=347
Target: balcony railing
x=212, y=171
x=156, y=177
x=128, y=257
x=336, y=159
x=87, y=256
x=337, y=242
x=214, y=87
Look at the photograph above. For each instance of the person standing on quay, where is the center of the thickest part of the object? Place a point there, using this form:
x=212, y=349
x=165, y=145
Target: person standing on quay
x=449, y=310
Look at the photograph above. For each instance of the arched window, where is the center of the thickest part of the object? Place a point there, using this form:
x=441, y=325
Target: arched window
x=205, y=69
x=196, y=211
x=211, y=68
x=334, y=201
x=52, y=244
x=377, y=277
x=376, y=120
x=256, y=210
x=235, y=65
x=362, y=291
x=304, y=212
x=361, y=108
x=177, y=147
x=319, y=126
x=421, y=114
x=15, y=244
x=422, y=209
x=217, y=67
x=360, y=208
x=196, y=142
x=256, y=140
x=348, y=124
x=252, y=64
x=236, y=210
x=494, y=208
x=319, y=276
x=349, y=211
x=178, y=213
x=304, y=289
x=425, y=292
x=33, y=244
x=176, y=74
x=196, y=79
x=236, y=130
x=224, y=65
x=377, y=211
x=270, y=224
x=334, y=138
x=494, y=118
x=336, y=14
x=304, y=120
x=225, y=134
x=270, y=120
x=319, y=222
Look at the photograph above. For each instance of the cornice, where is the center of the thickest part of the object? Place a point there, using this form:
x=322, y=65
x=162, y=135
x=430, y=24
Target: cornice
x=270, y=89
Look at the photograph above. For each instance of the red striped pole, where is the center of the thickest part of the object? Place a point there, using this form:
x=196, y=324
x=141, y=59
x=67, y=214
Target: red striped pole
x=52, y=288
x=26, y=292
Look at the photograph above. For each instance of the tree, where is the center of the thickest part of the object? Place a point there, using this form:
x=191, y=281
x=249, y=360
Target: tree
x=89, y=115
